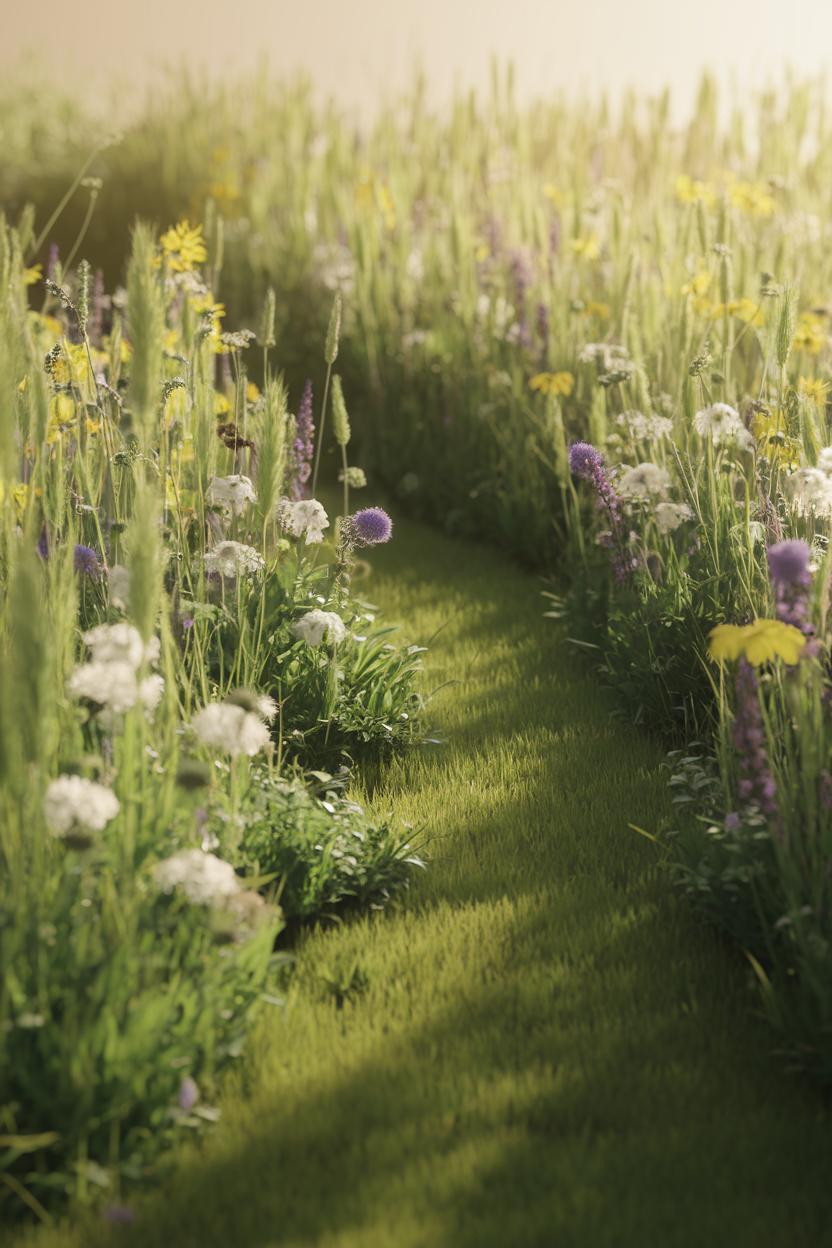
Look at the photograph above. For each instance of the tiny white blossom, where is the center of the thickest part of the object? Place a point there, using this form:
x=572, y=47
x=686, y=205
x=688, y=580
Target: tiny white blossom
x=645, y=428
x=232, y=493
x=811, y=491
x=825, y=460
x=232, y=559
x=203, y=878
x=305, y=518
x=231, y=729
x=643, y=481
x=121, y=643
x=315, y=625
x=670, y=515
x=72, y=801
x=112, y=685
x=722, y=424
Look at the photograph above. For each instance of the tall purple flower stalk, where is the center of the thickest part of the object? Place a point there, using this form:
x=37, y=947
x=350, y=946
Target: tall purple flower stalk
x=304, y=445
x=756, y=785
x=788, y=565
x=587, y=463
x=521, y=273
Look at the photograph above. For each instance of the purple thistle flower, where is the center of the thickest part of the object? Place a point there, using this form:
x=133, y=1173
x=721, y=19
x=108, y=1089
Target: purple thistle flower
x=756, y=784
x=371, y=526
x=188, y=1094
x=788, y=565
x=86, y=563
x=303, y=447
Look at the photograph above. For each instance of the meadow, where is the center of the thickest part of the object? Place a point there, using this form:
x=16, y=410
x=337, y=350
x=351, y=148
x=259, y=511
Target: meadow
x=313, y=818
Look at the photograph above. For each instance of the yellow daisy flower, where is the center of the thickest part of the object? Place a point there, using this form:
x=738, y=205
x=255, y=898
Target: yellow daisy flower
x=760, y=642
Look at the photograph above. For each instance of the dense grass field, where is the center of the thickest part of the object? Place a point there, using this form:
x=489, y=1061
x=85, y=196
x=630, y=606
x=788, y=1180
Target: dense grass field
x=537, y=1045
x=457, y=870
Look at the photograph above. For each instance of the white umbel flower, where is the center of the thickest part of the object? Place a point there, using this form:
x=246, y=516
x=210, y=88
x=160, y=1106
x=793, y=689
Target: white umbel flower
x=230, y=559
x=722, y=424
x=73, y=802
x=645, y=428
x=643, y=481
x=669, y=516
x=203, y=878
x=121, y=643
x=232, y=493
x=305, y=518
x=230, y=729
x=317, y=625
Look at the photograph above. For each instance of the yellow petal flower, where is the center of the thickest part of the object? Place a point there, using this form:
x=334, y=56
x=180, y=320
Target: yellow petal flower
x=725, y=642
x=760, y=642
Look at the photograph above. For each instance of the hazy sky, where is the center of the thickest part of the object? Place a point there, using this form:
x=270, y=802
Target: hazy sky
x=355, y=49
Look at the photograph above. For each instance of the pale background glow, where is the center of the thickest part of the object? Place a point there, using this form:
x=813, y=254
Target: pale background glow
x=359, y=49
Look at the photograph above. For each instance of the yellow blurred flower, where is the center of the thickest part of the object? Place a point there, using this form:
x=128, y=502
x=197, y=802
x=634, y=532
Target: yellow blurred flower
x=32, y=275
x=183, y=247
x=221, y=405
x=690, y=191
x=770, y=430
x=810, y=334
x=813, y=388
x=752, y=198
x=760, y=642
x=698, y=285
x=252, y=392
x=587, y=248
x=599, y=310
x=556, y=384
x=553, y=194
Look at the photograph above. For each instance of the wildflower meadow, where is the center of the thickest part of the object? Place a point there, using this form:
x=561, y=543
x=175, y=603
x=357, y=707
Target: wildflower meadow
x=415, y=682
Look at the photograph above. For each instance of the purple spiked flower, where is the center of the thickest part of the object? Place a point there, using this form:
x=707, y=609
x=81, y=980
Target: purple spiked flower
x=756, y=785
x=304, y=445
x=86, y=562
x=788, y=565
x=587, y=463
x=371, y=526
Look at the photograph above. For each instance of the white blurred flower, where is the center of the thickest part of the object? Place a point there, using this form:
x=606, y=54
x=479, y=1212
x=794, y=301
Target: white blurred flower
x=121, y=643
x=825, y=460
x=669, y=516
x=203, y=878
x=645, y=428
x=232, y=493
x=232, y=559
x=643, y=481
x=230, y=729
x=112, y=685
x=305, y=518
x=317, y=625
x=811, y=491
x=118, y=579
x=722, y=424
x=71, y=801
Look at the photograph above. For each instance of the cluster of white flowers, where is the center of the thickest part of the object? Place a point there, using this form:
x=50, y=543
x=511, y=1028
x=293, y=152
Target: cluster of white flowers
x=111, y=678
x=231, y=559
x=645, y=428
x=811, y=490
x=72, y=802
x=233, y=729
x=232, y=493
x=723, y=425
x=305, y=518
x=203, y=878
x=644, y=481
x=500, y=315
x=317, y=625
x=669, y=516
x=608, y=356
x=335, y=265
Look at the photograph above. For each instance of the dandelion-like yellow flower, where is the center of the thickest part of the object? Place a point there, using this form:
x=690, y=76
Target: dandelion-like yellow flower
x=752, y=198
x=813, y=388
x=810, y=334
x=183, y=247
x=587, y=248
x=690, y=191
x=760, y=642
x=556, y=384
x=32, y=275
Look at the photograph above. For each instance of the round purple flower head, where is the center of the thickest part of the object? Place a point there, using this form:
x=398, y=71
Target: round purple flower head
x=86, y=561
x=788, y=563
x=372, y=526
x=584, y=460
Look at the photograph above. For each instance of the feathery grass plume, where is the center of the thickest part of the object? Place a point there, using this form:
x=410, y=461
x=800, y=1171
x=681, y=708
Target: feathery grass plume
x=785, y=325
x=82, y=299
x=145, y=560
x=146, y=319
x=333, y=332
x=340, y=418
x=266, y=334
x=272, y=429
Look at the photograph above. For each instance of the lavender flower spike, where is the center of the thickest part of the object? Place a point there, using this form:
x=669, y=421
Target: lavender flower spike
x=304, y=445
x=788, y=565
x=756, y=786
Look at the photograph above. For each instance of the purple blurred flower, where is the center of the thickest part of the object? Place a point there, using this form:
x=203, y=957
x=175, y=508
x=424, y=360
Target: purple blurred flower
x=732, y=821
x=86, y=562
x=188, y=1094
x=303, y=447
x=371, y=526
x=52, y=262
x=119, y=1215
x=788, y=565
x=756, y=785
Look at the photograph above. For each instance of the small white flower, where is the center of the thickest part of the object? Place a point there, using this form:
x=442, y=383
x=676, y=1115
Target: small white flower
x=150, y=691
x=112, y=685
x=670, y=515
x=118, y=579
x=203, y=878
x=72, y=801
x=315, y=625
x=305, y=518
x=645, y=428
x=811, y=491
x=232, y=493
x=825, y=460
x=722, y=424
x=643, y=481
x=121, y=643
x=230, y=729
x=266, y=707
x=232, y=559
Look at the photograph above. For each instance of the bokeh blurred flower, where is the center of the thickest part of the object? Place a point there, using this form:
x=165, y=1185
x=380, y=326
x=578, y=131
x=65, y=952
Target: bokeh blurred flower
x=72, y=802
x=316, y=625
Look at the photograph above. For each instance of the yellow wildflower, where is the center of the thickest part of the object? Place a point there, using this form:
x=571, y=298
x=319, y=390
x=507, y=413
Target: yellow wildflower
x=813, y=388
x=691, y=191
x=221, y=405
x=810, y=334
x=587, y=248
x=698, y=285
x=600, y=310
x=553, y=194
x=556, y=384
x=769, y=428
x=752, y=198
x=252, y=392
x=32, y=275
x=183, y=247
x=760, y=642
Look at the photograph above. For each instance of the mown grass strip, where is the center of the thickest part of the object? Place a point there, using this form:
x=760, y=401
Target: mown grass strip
x=538, y=1046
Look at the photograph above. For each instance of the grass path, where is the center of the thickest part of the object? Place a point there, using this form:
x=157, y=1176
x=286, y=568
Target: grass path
x=540, y=1047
